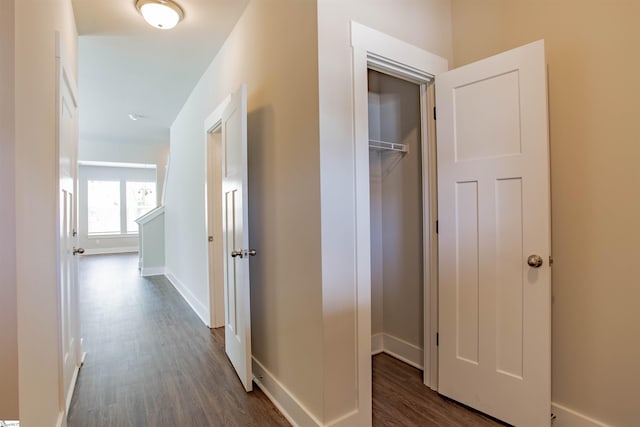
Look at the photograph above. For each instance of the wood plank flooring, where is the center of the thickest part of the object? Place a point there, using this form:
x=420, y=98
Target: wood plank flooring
x=152, y=362
x=401, y=399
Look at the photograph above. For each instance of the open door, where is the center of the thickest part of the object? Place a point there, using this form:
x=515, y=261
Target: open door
x=68, y=317
x=235, y=235
x=494, y=236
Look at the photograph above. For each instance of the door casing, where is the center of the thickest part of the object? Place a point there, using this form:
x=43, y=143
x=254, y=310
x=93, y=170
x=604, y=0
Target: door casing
x=378, y=51
x=213, y=197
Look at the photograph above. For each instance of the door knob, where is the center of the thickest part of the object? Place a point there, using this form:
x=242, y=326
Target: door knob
x=252, y=252
x=77, y=251
x=534, y=261
x=236, y=254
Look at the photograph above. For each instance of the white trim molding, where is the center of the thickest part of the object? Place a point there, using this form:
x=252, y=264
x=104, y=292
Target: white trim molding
x=566, y=417
x=196, y=305
x=379, y=51
x=152, y=271
x=292, y=409
x=395, y=347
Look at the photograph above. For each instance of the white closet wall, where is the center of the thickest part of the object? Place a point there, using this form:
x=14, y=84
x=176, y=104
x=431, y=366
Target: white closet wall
x=396, y=219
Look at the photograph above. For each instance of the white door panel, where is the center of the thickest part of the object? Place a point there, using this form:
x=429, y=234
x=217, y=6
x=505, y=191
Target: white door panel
x=236, y=236
x=69, y=329
x=494, y=211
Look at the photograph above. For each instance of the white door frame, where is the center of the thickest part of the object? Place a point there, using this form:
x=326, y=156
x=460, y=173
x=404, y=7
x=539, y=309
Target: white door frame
x=375, y=50
x=212, y=124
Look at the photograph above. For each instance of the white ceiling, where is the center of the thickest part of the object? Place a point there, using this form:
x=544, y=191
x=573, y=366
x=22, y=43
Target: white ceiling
x=126, y=66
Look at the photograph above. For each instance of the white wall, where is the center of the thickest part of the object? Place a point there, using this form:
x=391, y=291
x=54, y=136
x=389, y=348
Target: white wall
x=273, y=49
x=106, y=151
x=107, y=244
x=8, y=296
x=593, y=64
x=35, y=178
x=424, y=23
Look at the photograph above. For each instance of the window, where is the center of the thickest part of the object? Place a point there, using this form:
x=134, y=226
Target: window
x=114, y=206
x=141, y=198
x=103, y=199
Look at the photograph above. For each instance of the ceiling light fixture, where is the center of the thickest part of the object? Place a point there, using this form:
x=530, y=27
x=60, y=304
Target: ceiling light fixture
x=163, y=14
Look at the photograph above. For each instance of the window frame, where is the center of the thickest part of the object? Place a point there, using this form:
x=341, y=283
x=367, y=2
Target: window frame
x=121, y=173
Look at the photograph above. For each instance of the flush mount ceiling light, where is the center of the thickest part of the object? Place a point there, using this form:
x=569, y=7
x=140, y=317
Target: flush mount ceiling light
x=163, y=14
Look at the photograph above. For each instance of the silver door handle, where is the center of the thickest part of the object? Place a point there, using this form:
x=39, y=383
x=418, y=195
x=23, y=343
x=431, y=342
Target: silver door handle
x=534, y=261
x=77, y=251
x=236, y=254
x=251, y=252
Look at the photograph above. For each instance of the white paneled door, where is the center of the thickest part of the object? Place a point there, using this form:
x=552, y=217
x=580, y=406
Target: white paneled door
x=69, y=339
x=494, y=236
x=235, y=234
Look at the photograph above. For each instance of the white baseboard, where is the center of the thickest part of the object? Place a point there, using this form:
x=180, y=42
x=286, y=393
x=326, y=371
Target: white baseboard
x=400, y=349
x=349, y=420
x=151, y=271
x=377, y=344
x=107, y=251
x=69, y=395
x=566, y=417
x=292, y=409
x=196, y=305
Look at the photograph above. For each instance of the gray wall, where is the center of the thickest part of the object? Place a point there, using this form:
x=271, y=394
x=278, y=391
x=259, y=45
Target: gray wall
x=273, y=50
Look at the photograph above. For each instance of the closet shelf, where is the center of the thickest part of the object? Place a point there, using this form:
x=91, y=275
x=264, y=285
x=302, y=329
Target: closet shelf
x=388, y=146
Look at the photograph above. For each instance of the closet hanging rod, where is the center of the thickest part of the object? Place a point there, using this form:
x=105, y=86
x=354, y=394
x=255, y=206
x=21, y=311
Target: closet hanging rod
x=390, y=146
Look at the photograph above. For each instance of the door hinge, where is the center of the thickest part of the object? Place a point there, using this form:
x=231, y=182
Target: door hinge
x=434, y=113
x=437, y=339
x=437, y=227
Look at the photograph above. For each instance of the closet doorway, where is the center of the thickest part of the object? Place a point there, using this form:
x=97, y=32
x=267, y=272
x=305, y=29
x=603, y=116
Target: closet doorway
x=396, y=218
x=490, y=298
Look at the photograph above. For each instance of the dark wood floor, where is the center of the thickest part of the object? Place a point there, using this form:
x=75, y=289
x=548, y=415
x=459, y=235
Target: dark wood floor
x=401, y=399
x=151, y=362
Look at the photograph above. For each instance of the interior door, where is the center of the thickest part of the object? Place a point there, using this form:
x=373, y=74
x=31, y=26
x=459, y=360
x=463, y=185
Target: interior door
x=235, y=234
x=67, y=280
x=494, y=236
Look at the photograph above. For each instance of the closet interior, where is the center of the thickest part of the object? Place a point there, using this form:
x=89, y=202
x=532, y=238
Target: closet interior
x=396, y=199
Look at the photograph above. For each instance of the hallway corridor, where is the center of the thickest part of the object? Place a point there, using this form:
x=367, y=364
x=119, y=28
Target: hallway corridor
x=150, y=360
